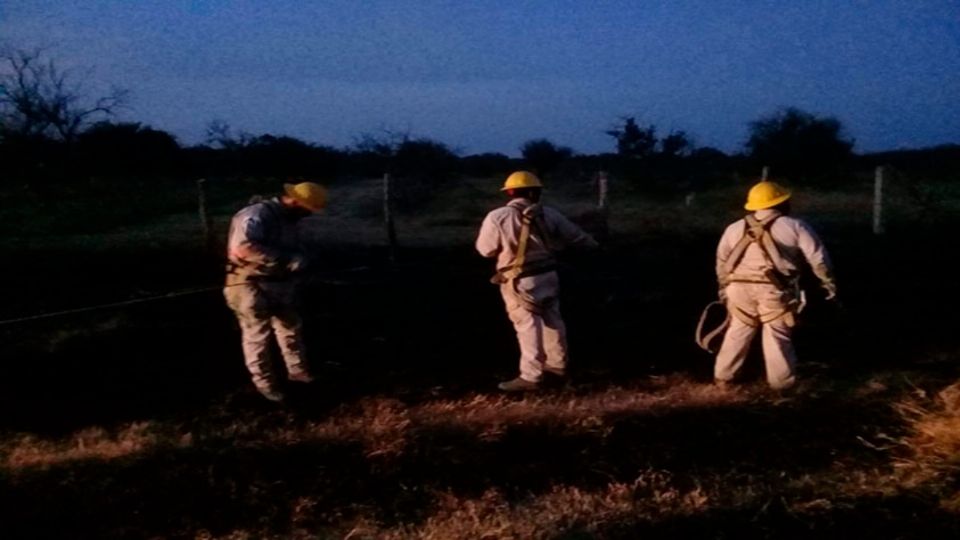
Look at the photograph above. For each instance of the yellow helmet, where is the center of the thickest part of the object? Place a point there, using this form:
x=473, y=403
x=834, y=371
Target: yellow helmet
x=310, y=195
x=522, y=179
x=766, y=194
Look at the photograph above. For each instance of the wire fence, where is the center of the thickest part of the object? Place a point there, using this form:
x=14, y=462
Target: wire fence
x=362, y=214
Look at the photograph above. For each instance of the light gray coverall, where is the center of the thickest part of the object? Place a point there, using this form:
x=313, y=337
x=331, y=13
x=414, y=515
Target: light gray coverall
x=261, y=290
x=754, y=302
x=532, y=301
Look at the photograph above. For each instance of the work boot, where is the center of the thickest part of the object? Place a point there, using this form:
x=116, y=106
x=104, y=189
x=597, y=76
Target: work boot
x=555, y=377
x=518, y=385
x=275, y=396
x=301, y=377
x=558, y=372
x=723, y=385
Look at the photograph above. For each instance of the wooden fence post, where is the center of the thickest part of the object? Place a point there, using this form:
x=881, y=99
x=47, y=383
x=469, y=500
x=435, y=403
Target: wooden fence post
x=602, y=191
x=603, y=208
x=206, y=224
x=878, y=201
x=388, y=219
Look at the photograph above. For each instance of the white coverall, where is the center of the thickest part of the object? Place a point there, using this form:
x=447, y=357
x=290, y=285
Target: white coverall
x=262, y=292
x=755, y=303
x=534, y=307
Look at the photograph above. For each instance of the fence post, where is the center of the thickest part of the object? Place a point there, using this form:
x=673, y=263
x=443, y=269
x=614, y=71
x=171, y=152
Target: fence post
x=603, y=208
x=602, y=191
x=388, y=219
x=765, y=174
x=206, y=224
x=878, y=201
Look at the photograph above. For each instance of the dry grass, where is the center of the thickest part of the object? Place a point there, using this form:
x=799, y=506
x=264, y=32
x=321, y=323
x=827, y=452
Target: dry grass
x=561, y=510
x=932, y=446
x=28, y=451
x=98, y=444
x=396, y=438
x=385, y=426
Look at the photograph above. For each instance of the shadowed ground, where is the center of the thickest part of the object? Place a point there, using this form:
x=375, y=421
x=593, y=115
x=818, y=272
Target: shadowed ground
x=141, y=423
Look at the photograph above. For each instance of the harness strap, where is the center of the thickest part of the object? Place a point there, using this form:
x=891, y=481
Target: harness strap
x=789, y=313
x=705, y=341
x=756, y=231
x=526, y=220
x=531, y=220
x=532, y=269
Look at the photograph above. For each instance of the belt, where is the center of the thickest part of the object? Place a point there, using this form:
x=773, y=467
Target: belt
x=501, y=275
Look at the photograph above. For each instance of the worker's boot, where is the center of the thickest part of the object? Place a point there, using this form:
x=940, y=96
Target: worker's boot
x=723, y=385
x=518, y=385
x=557, y=372
x=275, y=396
x=555, y=377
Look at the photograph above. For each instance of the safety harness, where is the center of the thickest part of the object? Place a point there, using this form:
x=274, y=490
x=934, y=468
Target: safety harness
x=757, y=232
x=706, y=339
x=240, y=270
x=531, y=220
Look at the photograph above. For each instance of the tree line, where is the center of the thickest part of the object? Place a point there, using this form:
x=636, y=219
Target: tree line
x=51, y=131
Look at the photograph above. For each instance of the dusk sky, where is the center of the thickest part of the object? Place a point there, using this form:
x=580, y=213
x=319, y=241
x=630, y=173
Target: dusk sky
x=489, y=75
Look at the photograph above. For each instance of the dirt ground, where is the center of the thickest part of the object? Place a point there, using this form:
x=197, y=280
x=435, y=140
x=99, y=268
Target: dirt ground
x=141, y=423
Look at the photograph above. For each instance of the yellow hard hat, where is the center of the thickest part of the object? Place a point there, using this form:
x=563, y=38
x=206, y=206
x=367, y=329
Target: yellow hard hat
x=522, y=179
x=766, y=194
x=310, y=195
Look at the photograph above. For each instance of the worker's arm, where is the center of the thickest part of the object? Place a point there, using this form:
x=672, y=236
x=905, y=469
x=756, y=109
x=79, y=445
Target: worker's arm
x=488, y=241
x=569, y=233
x=725, y=248
x=254, y=246
x=816, y=255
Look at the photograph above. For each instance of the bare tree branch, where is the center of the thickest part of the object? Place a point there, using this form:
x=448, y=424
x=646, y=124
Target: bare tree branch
x=37, y=99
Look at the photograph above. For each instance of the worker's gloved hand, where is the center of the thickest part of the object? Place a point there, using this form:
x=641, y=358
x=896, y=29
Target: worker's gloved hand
x=831, y=292
x=722, y=294
x=298, y=263
x=832, y=296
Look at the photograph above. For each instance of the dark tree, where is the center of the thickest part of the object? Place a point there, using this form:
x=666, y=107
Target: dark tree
x=287, y=157
x=708, y=155
x=221, y=135
x=372, y=155
x=676, y=144
x=796, y=142
x=543, y=156
x=126, y=148
x=634, y=141
x=424, y=158
x=39, y=100
x=486, y=165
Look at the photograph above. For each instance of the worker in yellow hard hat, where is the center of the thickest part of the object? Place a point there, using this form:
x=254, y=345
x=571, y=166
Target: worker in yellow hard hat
x=524, y=236
x=264, y=260
x=758, y=268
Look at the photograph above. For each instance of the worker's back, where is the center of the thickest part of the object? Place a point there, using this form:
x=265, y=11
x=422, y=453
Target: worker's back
x=796, y=244
x=260, y=239
x=500, y=234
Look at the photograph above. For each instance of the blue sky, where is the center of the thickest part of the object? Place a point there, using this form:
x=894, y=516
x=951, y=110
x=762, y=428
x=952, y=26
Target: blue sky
x=489, y=75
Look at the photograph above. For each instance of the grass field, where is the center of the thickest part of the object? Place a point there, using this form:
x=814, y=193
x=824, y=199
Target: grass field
x=140, y=423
